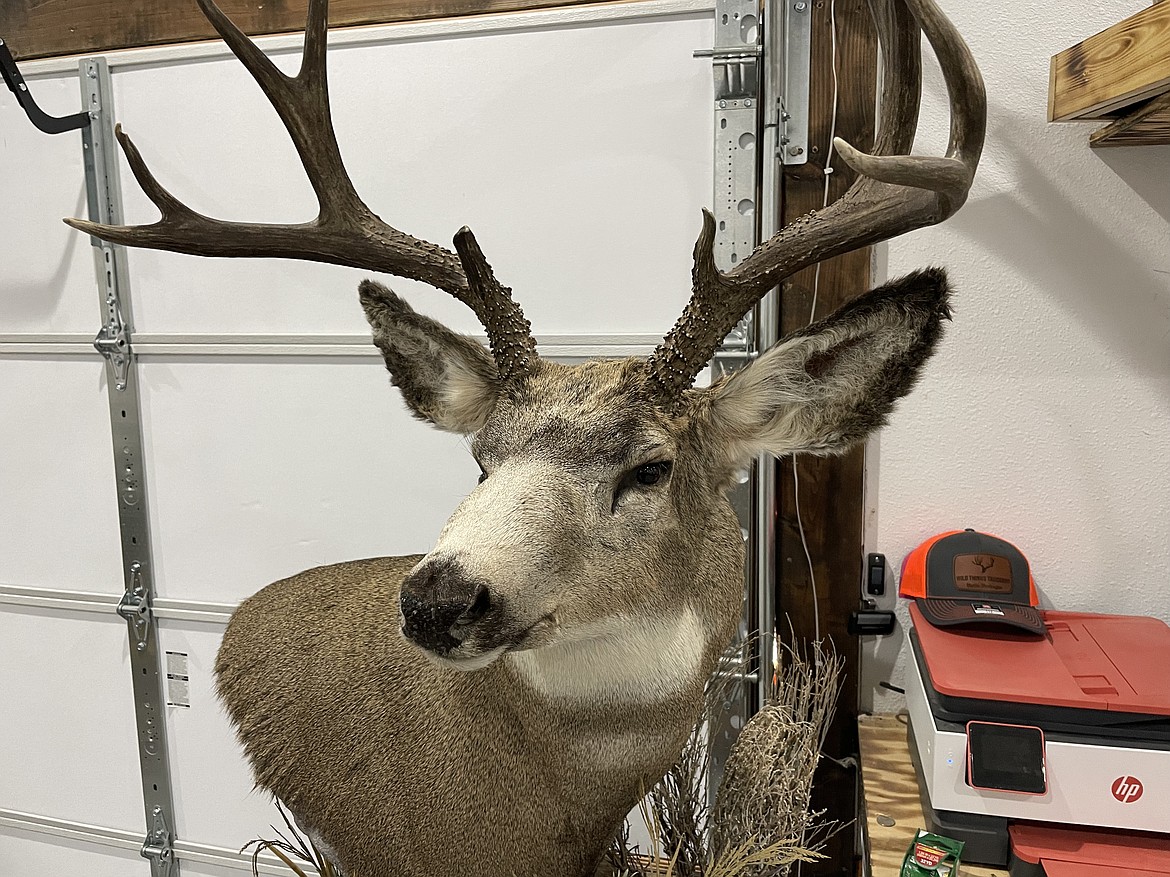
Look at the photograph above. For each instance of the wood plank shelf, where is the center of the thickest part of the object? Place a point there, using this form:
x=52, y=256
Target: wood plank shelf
x=1148, y=124
x=893, y=808
x=1121, y=75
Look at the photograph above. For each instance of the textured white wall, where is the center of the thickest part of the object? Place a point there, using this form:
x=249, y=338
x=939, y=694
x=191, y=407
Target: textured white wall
x=1045, y=416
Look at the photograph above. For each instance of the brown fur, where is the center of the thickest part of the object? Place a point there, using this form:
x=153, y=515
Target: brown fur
x=407, y=769
x=407, y=766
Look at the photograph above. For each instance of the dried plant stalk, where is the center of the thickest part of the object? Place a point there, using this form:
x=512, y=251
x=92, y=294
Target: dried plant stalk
x=750, y=857
x=290, y=848
x=761, y=823
x=767, y=781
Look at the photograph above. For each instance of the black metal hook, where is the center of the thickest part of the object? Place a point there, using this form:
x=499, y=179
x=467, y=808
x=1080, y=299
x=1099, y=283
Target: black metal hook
x=15, y=82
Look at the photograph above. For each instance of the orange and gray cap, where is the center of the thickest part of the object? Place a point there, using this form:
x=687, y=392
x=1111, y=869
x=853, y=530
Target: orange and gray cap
x=964, y=577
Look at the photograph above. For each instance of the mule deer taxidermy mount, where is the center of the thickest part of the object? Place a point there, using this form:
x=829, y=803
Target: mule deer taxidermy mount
x=495, y=706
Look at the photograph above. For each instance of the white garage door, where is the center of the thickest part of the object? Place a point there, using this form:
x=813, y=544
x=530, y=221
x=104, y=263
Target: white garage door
x=576, y=144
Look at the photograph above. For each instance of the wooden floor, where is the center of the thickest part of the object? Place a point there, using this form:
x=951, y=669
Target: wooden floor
x=892, y=810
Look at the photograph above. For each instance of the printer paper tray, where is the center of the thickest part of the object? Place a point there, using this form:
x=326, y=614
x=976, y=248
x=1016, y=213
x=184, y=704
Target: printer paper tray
x=1068, y=724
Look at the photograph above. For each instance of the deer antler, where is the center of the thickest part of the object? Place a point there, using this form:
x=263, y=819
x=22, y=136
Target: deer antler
x=346, y=231
x=893, y=194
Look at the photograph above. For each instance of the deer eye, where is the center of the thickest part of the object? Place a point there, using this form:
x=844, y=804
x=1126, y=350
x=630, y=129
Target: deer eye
x=652, y=473
x=646, y=475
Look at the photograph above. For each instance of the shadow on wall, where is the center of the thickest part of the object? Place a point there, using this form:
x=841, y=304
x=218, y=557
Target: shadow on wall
x=1146, y=170
x=1072, y=253
x=40, y=300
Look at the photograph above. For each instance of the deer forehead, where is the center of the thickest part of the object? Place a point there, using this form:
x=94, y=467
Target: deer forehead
x=598, y=415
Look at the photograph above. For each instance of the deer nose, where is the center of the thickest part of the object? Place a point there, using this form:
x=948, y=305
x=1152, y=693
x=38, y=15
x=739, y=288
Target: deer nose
x=440, y=603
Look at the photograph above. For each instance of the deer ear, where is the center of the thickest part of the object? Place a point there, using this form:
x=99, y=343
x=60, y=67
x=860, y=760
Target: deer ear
x=447, y=379
x=829, y=385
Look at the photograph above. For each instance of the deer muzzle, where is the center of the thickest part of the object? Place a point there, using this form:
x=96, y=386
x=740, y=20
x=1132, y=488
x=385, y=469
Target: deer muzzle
x=441, y=605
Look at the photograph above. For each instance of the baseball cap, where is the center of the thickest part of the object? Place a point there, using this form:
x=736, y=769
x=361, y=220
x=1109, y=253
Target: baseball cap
x=965, y=577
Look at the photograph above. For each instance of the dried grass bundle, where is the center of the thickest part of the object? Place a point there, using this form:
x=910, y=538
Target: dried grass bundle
x=291, y=848
x=761, y=823
x=767, y=781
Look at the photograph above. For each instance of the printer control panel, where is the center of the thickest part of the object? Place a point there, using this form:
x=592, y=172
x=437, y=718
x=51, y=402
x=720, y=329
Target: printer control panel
x=1006, y=758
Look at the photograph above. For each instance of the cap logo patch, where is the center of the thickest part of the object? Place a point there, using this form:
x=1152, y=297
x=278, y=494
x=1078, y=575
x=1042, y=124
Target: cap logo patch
x=986, y=609
x=983, y=573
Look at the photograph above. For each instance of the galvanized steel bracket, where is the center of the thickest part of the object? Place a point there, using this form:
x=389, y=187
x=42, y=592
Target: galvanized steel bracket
x=736, y=63
x=793, y=98
x=735, y=67
x=158, y=847
x=136, y=609
x=104, y=196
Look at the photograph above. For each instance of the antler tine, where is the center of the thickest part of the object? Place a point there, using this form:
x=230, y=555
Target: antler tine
x=316, y=43
x=509, y=333
x=345, y=232
x=901, y=43
x=950, y=176
x=302, y=102
x=893, y=194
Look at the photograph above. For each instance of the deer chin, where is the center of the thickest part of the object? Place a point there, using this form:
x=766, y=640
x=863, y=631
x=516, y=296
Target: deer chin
x=538, y=635
x=471, y=656
x=465, y=662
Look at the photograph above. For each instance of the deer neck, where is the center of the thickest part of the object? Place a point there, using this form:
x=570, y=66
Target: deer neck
x=613, y=706
x=627, y=660
x=653, y=668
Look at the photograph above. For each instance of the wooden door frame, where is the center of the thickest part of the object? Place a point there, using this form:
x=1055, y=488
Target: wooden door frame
x=831, y=489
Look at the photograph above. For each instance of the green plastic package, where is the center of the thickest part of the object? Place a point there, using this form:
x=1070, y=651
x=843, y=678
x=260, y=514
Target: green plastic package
x=932, y=855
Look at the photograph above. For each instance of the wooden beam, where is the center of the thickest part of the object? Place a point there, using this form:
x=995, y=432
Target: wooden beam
x=37, y=29
x=830, y=488
x=1122, y=65
x=1148, y=125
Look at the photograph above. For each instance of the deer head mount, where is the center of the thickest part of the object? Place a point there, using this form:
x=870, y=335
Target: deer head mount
x=594, y=576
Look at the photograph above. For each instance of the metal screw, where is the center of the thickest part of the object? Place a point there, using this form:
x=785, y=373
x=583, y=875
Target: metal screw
x=722, y=104
x=92, y=73
x=795, y=150
x=800, y=7
x=747, y=103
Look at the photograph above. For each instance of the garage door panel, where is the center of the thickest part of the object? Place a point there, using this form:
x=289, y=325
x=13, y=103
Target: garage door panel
x=581, y=163
x=204, y=869
x=33, y=853
x=70, y=750
x=48, y=269
x=59, y=518
x=580, y=155
x=262, y=469
x=215, y=801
